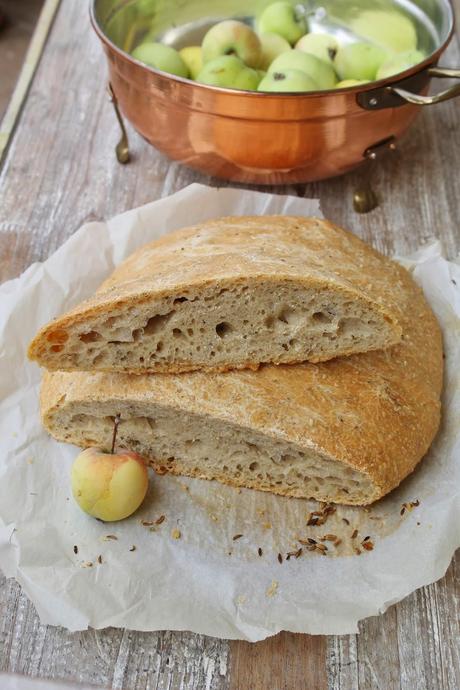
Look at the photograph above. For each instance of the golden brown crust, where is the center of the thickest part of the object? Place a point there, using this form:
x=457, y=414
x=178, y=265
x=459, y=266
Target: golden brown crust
x=377, y=412
x=229, y=251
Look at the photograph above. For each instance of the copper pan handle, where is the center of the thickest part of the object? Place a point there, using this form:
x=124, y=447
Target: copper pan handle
x=417, y=99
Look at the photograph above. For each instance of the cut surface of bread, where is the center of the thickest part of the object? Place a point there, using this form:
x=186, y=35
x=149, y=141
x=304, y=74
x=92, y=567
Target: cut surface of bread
x=230, y=294
x=348, y=430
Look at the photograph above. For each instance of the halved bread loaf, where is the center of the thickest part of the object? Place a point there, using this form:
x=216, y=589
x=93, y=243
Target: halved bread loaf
x=232, y=293
x=348, y=430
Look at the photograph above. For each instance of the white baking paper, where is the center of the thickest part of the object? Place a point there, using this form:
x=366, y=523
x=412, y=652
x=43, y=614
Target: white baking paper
x=205, y=581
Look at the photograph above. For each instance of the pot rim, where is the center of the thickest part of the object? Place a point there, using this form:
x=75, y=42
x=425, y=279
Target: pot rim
x=360, y=88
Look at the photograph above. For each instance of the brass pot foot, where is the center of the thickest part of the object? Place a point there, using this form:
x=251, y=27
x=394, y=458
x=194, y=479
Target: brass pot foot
x=365, y=199
x=122, y=148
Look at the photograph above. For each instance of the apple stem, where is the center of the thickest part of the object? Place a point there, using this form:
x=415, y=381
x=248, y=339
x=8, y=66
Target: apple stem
x=116, y=423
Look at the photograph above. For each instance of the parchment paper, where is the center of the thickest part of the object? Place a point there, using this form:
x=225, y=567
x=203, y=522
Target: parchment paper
x=206, y=581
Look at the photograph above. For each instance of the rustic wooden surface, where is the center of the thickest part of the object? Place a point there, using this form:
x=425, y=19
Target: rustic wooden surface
x=14, y=40
x=59, y=172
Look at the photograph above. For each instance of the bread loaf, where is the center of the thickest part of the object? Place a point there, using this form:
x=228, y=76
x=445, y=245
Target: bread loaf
x=348, y=430
x=229, y=294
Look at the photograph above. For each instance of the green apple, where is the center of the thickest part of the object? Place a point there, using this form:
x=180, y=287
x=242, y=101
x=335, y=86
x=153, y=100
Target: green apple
x=161, y=57
x=322, y=46
x=273, y=45
x=229, y=72
x=281, y=18
x=232, y=38
x=193, y=59
x=289, y=80
x=348, y=83
x=399, y=63
x=359, y=61
x=321, y=72
x=145, y=8
x=388, y=29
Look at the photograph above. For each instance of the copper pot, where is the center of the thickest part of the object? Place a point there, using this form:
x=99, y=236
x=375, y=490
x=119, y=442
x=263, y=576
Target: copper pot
x=255, y=137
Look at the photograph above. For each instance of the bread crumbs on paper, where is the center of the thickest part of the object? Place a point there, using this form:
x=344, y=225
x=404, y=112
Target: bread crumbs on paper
x=110, y=537
x=176, y=534
x=273, y=589
x=409, y=507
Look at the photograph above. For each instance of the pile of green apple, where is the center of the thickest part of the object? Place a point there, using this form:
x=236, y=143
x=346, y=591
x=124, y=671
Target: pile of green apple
x=282, y=56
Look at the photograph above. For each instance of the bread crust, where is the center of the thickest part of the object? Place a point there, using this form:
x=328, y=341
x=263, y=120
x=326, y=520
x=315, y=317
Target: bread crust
x=228, y=252
x=376, y=412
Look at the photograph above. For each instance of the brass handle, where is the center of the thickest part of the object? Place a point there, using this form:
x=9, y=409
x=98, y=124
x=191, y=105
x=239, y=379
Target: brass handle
x=440, y=72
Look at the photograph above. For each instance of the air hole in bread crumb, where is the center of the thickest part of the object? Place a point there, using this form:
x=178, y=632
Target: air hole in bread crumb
x=137, y=334
x=192, y=442
x=190, y=331
x=110, y=322
x=254, y=466
x=321, y=317
x=177, y=333
x=179, y=300
x=90, y=337
x=57, y=337
x=156, y=323
x=100, y=359
x=223, y=329
x=159, y=346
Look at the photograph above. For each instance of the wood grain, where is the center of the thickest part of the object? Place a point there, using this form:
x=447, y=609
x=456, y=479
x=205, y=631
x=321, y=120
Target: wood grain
x=284, y=662
x=59, y=172
x=14, y=39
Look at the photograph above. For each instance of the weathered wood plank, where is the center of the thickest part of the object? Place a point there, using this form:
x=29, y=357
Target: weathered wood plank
x=416, y=644
x=60, y=172
x=31, y=60
x=284, y=662
x=118, y=659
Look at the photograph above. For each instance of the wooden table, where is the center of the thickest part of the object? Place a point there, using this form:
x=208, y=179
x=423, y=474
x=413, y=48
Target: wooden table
x=59, y=172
